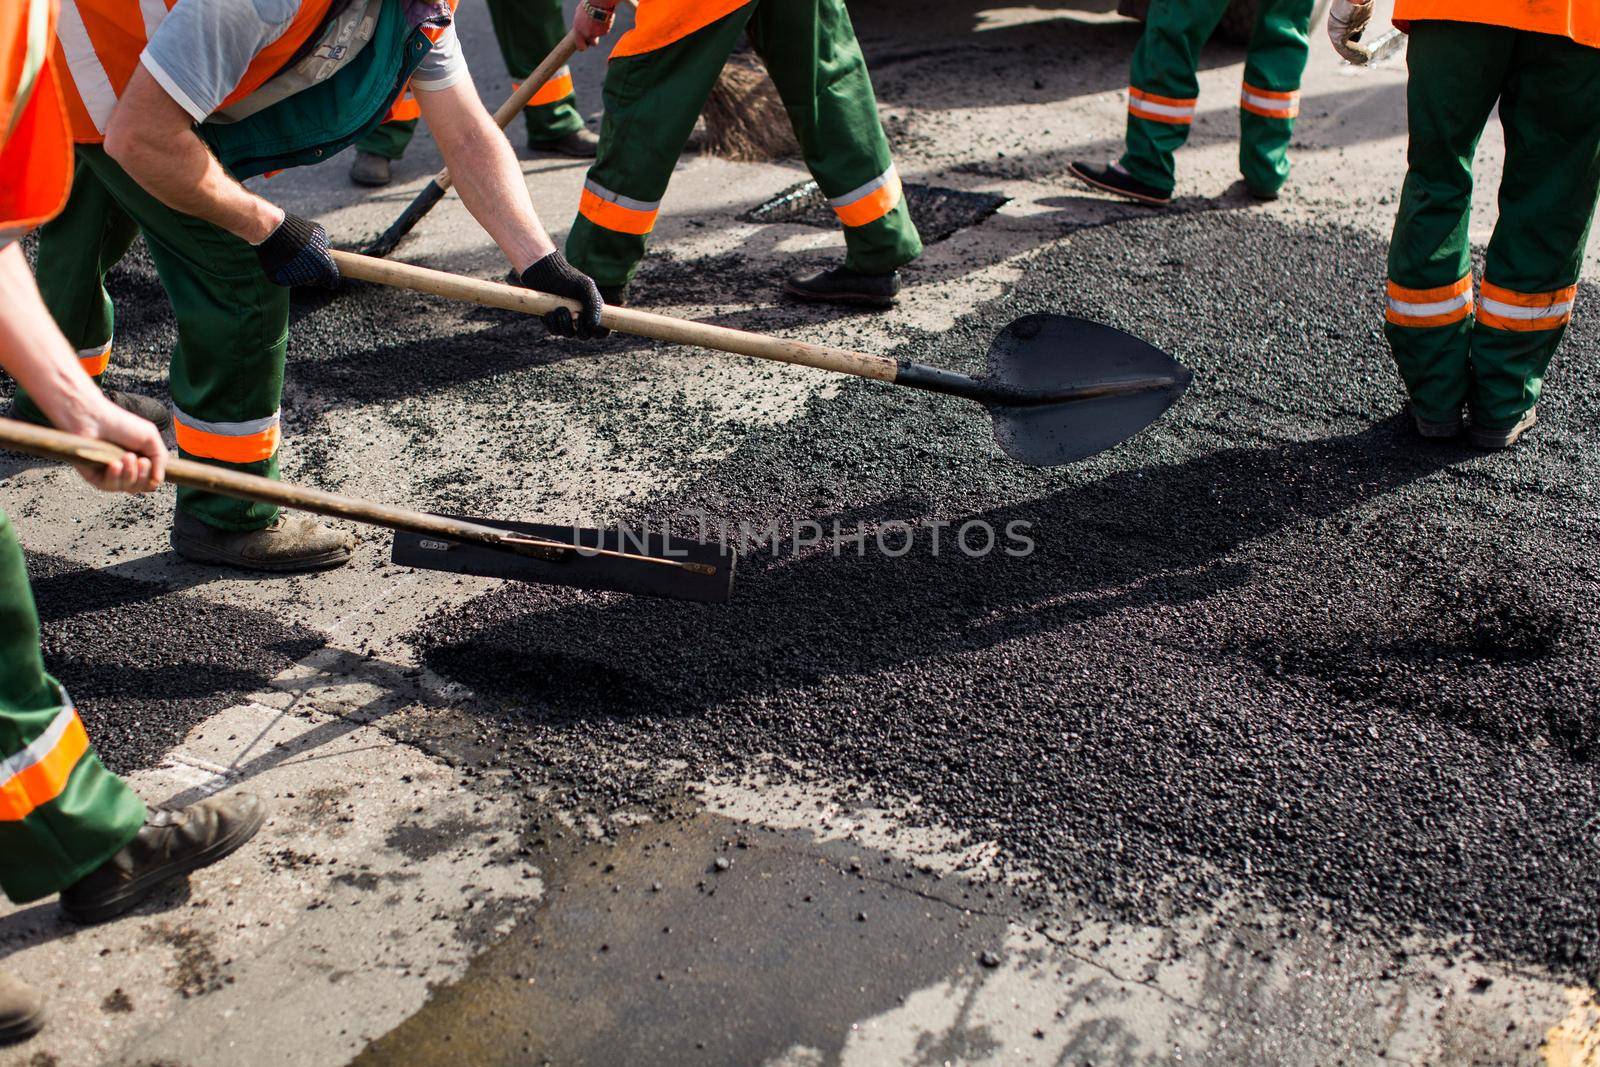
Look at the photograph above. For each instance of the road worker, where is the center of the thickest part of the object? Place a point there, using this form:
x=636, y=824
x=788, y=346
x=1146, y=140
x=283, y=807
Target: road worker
x=528, y=30
x=1164, y=92
x=171, y=109
x=659, y=76
x=67, y=825
x=1539, y=62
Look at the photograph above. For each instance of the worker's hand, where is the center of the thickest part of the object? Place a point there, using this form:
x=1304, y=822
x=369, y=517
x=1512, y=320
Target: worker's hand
x=296, y=253
x=592, y=21
x=1346, y=21
x=554, y=275
x=141, y=468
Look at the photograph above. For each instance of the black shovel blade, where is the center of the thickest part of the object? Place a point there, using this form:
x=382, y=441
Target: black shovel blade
x=1095, y=387
x=641, y=577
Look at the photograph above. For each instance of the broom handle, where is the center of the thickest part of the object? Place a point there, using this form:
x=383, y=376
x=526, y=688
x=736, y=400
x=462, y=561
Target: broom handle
x=71, y=448
x=626, y=320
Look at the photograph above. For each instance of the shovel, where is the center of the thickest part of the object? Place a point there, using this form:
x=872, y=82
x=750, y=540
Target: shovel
x=434, y=191
x=1058, y=389
x=658, y=565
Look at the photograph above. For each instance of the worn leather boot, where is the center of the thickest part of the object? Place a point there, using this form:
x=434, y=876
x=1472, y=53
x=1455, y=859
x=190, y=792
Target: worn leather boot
x=1111, y=178
x=294, y=542
x=1497, y=439
x=580, y=144
x=615, y=296
x=840, y=285
x=146, y=407
x=370, y=169
x=1434, y=430
x=169, y=845
x=21, y=1010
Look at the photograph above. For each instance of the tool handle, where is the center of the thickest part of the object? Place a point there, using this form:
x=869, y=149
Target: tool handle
x=518, y=100
x=626, y=320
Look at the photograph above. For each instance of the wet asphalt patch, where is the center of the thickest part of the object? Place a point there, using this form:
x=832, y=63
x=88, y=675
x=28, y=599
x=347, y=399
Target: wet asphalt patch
x=789, y=941
x=144, y=664
x=1275, y=646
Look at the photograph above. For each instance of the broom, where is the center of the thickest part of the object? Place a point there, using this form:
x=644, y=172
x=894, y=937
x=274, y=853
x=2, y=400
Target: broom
x=745, y=119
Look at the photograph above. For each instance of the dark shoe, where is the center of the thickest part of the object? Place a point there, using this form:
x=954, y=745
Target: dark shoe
x=21, y=1011
x=170, y=845
x=371, y=170
x=580, y=144
x=840, y=285
x=294, y=542
x=1257, y=193
x=1113, y=179
x=1496, y=440
x=1437, y=431
x=146, y=407
x=614, y=295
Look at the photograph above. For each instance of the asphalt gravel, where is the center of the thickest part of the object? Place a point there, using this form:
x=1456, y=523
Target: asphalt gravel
x=1275, y=646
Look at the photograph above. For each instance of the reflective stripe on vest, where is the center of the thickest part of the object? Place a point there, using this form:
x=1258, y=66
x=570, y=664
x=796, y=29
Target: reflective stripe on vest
x=231, y=442
x=1269, y=104
x=557, y=89
x=615, y=212
x=1155, y=108
x=99, y=43
x=1507, y=309
x=1424, y=308
x=38, y=774
x=1575, y=19
x=36, y=153
x=658, y=23
x=871, y=201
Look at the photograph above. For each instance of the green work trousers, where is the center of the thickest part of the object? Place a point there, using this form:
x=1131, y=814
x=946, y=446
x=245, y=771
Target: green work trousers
x=528, y=31
x=653, y=99
x=1164, y=91
x=233, y=323
x=62, y=814
x=1548, y=91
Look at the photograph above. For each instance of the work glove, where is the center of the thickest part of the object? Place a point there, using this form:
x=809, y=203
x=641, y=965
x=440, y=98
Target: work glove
x=554, y=275
x=1346, y=21
x=296, y=253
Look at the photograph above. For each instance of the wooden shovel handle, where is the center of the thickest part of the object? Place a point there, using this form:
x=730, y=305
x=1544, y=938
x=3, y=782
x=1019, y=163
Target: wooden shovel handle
x=627, y=320
x=71, y=448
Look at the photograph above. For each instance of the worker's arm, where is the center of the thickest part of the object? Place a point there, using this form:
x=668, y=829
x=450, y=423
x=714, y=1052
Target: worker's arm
x=485, y=172
x=33, y=352
x=153, y=139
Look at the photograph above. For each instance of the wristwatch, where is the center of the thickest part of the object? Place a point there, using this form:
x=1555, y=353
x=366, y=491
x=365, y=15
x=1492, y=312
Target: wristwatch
x=599, y=14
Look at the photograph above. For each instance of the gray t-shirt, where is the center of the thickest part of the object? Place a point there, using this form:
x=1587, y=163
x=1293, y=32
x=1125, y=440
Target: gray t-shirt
x=202, y=49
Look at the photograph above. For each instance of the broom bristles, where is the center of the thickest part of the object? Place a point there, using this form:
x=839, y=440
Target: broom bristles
x=745, y=118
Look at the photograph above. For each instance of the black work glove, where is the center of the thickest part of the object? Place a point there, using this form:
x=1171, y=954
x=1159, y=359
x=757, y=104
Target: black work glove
x=554, y=275
x=296, y=253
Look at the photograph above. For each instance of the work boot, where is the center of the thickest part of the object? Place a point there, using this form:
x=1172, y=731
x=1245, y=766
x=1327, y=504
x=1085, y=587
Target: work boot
x=1111, y=178
x=841, y=285
x=1497, y=440
x=1437, y=431
x=1258, y=193
x=371, y=170
x=169, y=845
x=146, y=407
x=580, y=144
x=294, y=542
x=21, y=1010
x=615, y=296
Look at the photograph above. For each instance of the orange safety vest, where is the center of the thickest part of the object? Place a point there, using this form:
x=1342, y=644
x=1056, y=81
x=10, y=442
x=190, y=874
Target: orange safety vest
x=36, y=153
x=658, y=23
x=98, y=44
x=1577, y=19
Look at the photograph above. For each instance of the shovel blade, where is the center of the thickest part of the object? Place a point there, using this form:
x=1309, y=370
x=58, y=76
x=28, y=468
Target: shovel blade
x=1059, y=356
x=640, y=577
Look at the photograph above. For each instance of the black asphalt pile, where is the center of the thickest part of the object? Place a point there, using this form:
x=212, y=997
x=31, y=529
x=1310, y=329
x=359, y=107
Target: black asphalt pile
x=145, y=665
x=1276, y=645
x=939, y=212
